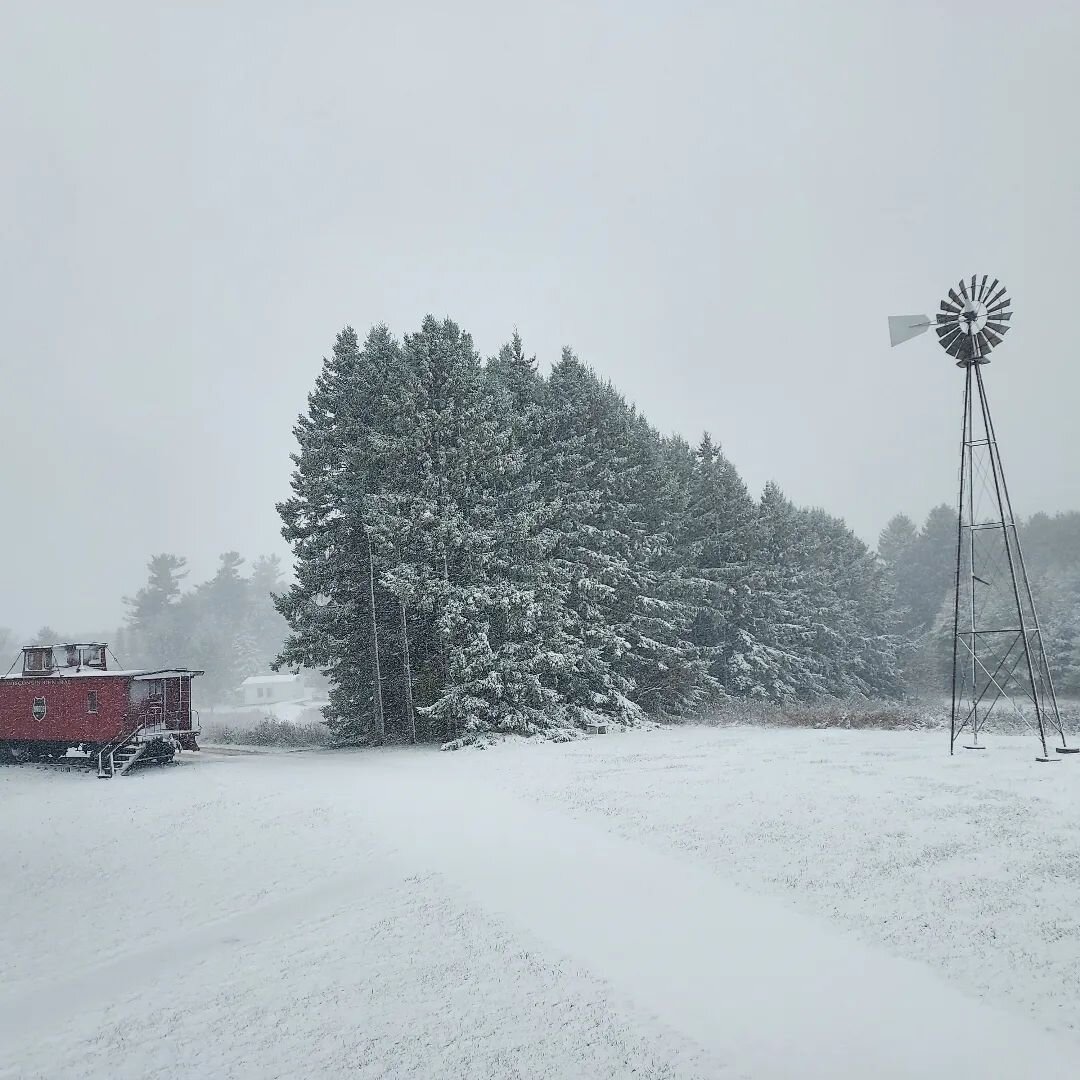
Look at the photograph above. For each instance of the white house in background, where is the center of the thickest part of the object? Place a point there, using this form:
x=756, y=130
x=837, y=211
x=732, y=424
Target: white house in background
x=273, y=689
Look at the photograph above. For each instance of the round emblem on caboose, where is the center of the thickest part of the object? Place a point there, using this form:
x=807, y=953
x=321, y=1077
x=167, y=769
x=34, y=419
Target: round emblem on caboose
x=40, y=708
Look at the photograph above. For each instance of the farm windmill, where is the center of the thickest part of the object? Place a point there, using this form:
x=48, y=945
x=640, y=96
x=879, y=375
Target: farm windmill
x=998, y=649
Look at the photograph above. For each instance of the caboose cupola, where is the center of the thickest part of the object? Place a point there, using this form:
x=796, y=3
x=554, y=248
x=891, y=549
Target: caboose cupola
x=57, y=659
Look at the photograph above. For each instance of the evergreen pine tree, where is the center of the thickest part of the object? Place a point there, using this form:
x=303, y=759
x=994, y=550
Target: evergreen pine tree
x=153, y=618
x=327, y=606
x=265, y=625
x=217, y=620
x=463, y=532
x=663, y=595
x=614, y=497
x=933, y=567
x=719, y=542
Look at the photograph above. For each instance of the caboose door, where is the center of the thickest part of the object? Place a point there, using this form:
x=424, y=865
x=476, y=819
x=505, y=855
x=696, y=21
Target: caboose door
x=155, y=711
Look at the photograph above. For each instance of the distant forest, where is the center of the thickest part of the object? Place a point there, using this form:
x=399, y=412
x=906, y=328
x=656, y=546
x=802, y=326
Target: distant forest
x=922, y=566
x=226, y=626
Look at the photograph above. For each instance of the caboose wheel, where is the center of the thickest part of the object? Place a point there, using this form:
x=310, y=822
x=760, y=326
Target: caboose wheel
x=42, y=753
x=161, y=752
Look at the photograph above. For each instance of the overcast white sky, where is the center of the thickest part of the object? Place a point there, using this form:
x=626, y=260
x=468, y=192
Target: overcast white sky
x=717, y=205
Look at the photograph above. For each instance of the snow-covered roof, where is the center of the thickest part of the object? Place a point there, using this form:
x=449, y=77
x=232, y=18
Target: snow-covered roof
x=69, y=673
x=97, y=673
x=268, y=680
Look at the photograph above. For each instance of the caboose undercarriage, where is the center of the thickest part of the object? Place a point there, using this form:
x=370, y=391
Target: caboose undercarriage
x=107, y=759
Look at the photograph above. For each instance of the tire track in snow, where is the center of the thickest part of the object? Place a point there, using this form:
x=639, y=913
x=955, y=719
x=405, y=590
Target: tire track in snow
x=769, y=990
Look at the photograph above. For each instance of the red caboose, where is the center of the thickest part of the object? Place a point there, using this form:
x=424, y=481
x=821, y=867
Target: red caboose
x=66, y=697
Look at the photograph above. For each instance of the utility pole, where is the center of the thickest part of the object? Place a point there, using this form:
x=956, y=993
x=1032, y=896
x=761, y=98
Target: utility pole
x=410, y=713
x=380, y=723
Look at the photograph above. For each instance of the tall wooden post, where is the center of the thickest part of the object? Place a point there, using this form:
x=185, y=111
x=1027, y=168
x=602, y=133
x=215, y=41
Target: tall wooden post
x=453, y=729
x=380, y=723
x=410, y=714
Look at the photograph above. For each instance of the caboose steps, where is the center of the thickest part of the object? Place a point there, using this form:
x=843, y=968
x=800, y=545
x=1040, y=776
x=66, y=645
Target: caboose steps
x=147, y=743
x=117, y=760
x=124, y=758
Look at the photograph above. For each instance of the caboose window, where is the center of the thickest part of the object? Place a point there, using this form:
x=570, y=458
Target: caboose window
x=157, y=689
x=93, y=656
x=91, y=702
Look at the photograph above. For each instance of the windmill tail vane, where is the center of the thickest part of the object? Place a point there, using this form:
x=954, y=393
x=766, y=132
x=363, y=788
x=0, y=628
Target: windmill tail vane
x=904, y=327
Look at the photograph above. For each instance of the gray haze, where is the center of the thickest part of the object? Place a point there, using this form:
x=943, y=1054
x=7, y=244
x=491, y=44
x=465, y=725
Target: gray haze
x=716, y=205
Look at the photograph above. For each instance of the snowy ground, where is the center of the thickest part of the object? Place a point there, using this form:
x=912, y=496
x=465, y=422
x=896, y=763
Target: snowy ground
x=680, y=904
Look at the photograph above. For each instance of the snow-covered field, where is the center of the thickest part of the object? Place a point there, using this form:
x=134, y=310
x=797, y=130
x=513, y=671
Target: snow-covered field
x=675, y=903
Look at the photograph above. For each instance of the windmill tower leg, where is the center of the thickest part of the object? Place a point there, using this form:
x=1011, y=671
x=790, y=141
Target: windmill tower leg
x=958, y=721
x=966, y=667
x=974, y=640
x=1000, y=656
x=1043, y=694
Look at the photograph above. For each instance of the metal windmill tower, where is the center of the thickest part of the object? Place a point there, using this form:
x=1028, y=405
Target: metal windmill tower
x=998, y=650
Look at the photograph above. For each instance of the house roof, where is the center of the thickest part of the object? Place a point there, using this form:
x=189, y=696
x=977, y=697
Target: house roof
x=270, y=680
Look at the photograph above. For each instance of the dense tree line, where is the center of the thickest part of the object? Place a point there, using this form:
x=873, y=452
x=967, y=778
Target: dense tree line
x=227, y=626
x=922, y=566
x=481, y=548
